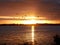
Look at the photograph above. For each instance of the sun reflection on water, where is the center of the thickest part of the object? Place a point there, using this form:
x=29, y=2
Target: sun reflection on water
x=32, y=35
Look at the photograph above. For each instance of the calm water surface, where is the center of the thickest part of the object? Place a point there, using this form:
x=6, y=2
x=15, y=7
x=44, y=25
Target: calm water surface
x=43, y=35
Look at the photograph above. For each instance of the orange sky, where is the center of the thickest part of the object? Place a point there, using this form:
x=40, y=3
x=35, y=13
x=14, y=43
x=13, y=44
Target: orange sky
x=48, y=9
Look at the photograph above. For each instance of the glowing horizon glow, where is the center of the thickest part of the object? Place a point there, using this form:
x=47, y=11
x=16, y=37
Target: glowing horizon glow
x=31, y=17
x=21, y=17
x=30, y=21
x=26, y=20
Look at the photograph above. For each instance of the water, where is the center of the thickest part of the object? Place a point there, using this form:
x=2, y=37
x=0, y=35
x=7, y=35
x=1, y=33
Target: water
x=40, y=35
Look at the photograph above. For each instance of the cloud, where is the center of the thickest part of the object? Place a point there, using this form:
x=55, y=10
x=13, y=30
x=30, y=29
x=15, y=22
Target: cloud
x=49, y=9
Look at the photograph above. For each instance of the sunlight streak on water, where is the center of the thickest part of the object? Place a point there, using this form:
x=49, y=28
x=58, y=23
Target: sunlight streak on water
x=32, y=35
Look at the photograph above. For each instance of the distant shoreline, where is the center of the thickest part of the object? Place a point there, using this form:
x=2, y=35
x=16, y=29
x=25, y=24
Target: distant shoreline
x=29, y=24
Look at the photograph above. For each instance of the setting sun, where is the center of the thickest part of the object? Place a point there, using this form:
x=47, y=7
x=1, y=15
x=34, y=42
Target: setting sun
x=29, y=22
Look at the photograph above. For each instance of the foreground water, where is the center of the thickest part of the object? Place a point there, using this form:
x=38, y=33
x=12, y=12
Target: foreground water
x=14, y=35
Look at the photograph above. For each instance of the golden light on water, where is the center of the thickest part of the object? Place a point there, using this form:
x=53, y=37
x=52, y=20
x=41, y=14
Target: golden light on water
x=33, y=35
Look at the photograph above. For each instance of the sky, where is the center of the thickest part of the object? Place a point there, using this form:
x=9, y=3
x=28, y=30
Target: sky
x=50, y=9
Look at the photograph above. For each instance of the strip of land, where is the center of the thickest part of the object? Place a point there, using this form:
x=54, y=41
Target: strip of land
x=29, y=24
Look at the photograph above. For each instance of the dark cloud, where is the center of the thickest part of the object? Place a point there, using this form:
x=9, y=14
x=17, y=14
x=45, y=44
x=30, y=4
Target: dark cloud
x=50, y=9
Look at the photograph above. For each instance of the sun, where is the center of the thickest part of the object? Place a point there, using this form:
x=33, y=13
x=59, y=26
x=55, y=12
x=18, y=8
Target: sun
x=29, y=22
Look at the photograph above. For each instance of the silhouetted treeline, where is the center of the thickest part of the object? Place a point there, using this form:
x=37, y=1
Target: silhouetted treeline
x=16, y=24
x=29, y=24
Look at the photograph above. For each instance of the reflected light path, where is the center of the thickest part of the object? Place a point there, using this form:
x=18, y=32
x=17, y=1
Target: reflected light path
x=32, y=35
